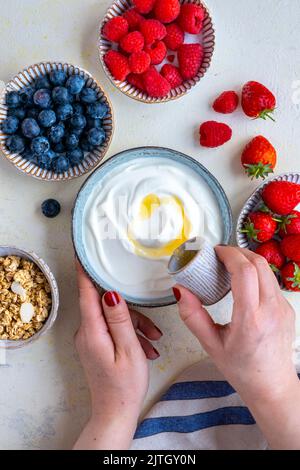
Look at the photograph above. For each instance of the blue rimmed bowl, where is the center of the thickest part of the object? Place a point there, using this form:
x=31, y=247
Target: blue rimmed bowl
x=111, y=164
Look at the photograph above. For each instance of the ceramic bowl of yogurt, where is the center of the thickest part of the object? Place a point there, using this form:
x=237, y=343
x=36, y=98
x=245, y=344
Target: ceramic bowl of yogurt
x=134, y=211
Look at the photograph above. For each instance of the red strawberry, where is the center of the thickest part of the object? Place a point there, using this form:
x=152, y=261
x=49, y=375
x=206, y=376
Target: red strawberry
x=281, y=196
x=132, y=42
x=260, y=227
x=174, y=37
x=117, y=64
x=291, y=277
x=290, y=246
x=139, y=62
x=166, y=11
x=214, y=134
x=156, y=85
x=133, y=18
x=258, y=101
x=191, y=18
x=190, y=58
x=157, y=52
x=272, y=252
x=172, y=74
x=290, y=224
x=115, y=28
x=259, y=158
x=226, y=103
x=143, y=6
x=152, y=30
x=136, y=80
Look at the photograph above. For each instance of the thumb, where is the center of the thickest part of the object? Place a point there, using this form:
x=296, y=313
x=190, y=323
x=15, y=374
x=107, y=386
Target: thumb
x=197, y=319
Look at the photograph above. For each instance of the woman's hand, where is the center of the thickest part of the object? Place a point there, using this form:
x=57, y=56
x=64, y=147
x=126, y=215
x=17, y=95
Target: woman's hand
x=114, y=358
x=255, y=351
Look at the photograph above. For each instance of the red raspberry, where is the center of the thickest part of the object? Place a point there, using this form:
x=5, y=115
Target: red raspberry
x=190, y=58
x=166, y=11
x=174, y=37
x=136, y=80
x=191, y=18
x=157, y=52
x=117, y=64
x=152, y=30
x=226, y=103
x=143, y=6
x=132, y=42
x=171, y=58
x=172, y=74
x=133, y=18
x=115, y=28
x=156, y=85
x=214, y=134
x=139, y=62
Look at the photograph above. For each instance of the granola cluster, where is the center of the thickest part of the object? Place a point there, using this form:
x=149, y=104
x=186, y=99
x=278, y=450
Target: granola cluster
x=36, y=293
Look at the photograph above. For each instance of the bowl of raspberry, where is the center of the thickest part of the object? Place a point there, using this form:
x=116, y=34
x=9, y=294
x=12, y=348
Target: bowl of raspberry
x=56, y=122
x=156, y=51
x=269, y=225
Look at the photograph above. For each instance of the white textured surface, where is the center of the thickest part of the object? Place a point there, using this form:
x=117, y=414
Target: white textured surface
x=44, y=401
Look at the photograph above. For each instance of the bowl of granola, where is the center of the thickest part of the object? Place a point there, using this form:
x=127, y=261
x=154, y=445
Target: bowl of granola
x=29, y=297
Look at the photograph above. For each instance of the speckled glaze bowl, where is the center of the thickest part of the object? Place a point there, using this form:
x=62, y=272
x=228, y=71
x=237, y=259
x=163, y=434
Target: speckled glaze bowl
x=207, y=39
x=92, y=159
x=126, y=157
x=31, y=256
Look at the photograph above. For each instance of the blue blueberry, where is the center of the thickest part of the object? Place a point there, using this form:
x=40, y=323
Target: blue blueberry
x=58, y=77
x=10, y=125
x=50, y=208
x=78, y=108
x=15, y=144
x=42, y=82
x=47, y=118
x=60, y=95
x=91, y=122
x=77, y=132
x=71, y=141
x=64, y=112
x=75, y=84
x=30, y=128
x=78, y=121
x=97, y=110
x=28, y=155
x=96, y=137
x=33, y=113
x=60, y=164
x=40, y=145
x=45, y=160
x=13, y=99
x=56, y=133
x=19, y=113
x=75, y=156
x=26, y=95
x=88, y=95
x=85, y=145
x=59, y=147
x=42, y=98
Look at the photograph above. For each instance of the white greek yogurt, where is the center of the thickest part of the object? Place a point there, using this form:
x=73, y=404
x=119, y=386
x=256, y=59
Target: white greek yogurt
x=137, y=215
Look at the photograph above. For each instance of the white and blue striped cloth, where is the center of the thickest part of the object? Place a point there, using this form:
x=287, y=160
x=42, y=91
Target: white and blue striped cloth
x=199, y=412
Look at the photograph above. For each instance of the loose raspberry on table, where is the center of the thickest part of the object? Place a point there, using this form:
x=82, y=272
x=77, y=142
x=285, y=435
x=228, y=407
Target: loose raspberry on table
x=132, y=42
x=156, y=85
x=214, y=134
x=144, y=6
x=157, y=52
x=133, y=18
x=172, y=74
x=166, y=11
x=117, y=64
x=152, y=30
x=139, y=62
x=115, y=28
x=226, y=103
x=191, y=18
x=136, y=80
x=190, y=58
x=174, y=37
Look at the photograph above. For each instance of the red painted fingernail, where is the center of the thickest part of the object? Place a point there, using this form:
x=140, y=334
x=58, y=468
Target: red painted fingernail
x=156, y=352
x=160, y=332
x=177, y=293
x=111, y=299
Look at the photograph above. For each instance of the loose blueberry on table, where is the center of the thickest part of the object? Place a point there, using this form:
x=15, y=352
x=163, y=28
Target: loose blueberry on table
x=50, y=208
x=55, y=121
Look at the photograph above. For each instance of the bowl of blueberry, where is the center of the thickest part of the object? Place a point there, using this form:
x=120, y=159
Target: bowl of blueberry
x=56, y=122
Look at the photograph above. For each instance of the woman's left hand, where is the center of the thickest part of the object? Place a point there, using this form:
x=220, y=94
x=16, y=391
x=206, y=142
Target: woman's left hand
x=114, y=358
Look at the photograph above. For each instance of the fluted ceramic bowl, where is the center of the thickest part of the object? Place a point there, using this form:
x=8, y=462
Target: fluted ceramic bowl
x=92, y=159
x=31, y=256
x=206, y=38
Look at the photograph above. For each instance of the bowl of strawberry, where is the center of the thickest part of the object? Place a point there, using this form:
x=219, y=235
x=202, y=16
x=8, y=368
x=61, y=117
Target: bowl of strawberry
x=156, y=50
x=269, y=225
